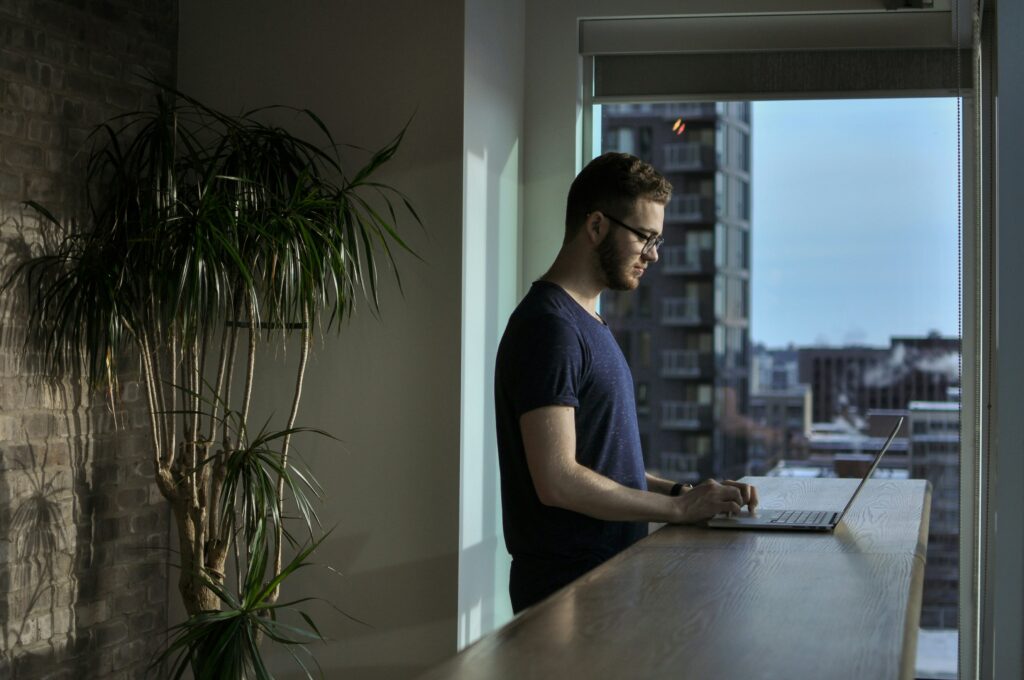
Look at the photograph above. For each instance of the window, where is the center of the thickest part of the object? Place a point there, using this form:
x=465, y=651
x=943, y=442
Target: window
x=832, y=260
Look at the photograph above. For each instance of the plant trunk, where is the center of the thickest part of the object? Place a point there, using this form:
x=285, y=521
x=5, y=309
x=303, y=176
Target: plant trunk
x=194, y=594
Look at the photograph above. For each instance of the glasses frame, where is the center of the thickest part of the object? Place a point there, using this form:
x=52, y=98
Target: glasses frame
x=651, y=241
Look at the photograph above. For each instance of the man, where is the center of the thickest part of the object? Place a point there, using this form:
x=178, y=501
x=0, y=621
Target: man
x=574, y=489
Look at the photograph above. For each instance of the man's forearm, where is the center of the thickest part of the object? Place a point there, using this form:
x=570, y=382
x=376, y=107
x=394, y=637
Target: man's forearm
x=659, y=484
x=590, y=493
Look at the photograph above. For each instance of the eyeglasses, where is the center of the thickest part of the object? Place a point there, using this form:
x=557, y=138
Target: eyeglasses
x=651, y=241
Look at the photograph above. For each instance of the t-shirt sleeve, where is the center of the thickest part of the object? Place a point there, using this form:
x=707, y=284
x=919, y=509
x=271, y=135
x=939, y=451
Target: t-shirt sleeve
x=547, y=365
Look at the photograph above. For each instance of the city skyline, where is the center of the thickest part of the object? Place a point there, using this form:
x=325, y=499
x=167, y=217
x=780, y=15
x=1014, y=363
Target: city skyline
x=854, y=211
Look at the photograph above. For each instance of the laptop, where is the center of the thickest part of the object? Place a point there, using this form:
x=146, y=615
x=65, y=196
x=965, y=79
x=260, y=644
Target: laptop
x=800, y=520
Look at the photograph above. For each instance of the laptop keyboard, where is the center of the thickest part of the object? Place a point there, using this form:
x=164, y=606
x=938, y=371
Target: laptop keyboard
x=801, y=517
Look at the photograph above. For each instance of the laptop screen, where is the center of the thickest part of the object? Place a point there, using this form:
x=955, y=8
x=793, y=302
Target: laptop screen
x=874, y=464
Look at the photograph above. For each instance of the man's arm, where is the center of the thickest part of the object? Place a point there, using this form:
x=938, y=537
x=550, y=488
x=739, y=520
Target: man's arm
x=549, y=437
x=660, y=484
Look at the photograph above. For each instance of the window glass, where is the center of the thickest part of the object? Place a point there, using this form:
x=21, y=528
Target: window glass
x=827, y=301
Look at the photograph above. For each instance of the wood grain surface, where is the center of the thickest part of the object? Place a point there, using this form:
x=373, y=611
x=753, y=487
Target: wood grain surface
x=691, y=602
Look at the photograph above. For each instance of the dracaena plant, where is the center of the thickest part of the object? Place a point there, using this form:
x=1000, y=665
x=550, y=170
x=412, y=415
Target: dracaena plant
x=206, y=236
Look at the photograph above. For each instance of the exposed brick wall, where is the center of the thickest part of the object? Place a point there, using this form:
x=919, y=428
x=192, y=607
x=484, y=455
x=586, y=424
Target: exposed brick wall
x=83, y=530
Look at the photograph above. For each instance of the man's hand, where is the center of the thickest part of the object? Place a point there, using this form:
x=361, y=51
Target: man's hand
x=709, y=498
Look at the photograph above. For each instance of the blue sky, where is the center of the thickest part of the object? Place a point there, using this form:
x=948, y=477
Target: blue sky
x=854, y=229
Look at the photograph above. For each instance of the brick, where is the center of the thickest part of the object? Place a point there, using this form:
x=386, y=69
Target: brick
x=9, y=429
x=130, y=603
x=78, y=138
x=53, y=48
x=78, y=56
x=111, y=632
x=145, y=523
x=30, y=98
x=91, y=614
x=45, y=75
x=10, y=187
x=12, y=122
x=31, y=665
x=129, y=654
x=132, y=392
x=41, y=425
x=41, y=188
x=127, y=98
x=107, y=529
x=54, y=160
x=72, y=109
x=44, y=626
x=105, y=65
x=45, y=132
x=143, y=622
x=12, y=63
x=132, y=499
x=157, y=593
x=21, y=37
x=23, y=155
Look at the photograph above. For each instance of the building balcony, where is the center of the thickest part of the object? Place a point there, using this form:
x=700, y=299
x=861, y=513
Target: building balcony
x=686, y=260
x=688, y=156
x=685, y=415
x=686, y=363
x=683, y=467
x=681, y=311
x=690, y=208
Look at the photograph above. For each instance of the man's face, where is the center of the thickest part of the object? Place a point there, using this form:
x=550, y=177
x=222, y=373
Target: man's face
x=620, y=258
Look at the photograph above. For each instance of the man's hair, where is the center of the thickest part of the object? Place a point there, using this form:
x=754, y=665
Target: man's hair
x=612, y=182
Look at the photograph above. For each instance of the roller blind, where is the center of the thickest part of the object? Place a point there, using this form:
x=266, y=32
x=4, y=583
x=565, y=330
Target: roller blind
x=775, y=56
x=779, y=75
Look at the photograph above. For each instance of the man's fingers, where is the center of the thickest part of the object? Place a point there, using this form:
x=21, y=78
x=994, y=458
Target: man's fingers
x=729, y=507
x=732, y=493
x=748, y=493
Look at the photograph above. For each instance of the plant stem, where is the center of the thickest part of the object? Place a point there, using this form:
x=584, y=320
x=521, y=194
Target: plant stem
x=279, y=534
x=249, y=371
x=195, y=440
x=170, y=414
x=218, y=463
x=163, y=477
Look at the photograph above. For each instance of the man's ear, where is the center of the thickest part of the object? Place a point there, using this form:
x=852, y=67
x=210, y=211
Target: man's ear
x=593, y=225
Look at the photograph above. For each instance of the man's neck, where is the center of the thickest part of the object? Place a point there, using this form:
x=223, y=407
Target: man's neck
x=578, y=283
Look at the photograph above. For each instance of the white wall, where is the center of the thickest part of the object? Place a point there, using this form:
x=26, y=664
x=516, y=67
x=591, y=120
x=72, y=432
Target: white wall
x=492, y=171
x=390, y=389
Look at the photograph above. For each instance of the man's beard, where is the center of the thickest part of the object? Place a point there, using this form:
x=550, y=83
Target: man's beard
x=612, y=265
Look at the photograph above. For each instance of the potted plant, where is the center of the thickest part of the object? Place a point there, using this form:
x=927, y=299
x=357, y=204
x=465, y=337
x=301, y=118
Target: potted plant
x=207, y=236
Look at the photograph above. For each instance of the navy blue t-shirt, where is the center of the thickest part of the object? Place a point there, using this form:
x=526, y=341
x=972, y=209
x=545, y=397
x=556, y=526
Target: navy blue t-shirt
x=553, y=353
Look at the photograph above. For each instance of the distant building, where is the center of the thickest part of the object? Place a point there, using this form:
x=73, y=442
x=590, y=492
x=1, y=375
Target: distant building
x=935, y=456
x=780, y=424
x=852, y=380
x=685, y=331
x=772, y=370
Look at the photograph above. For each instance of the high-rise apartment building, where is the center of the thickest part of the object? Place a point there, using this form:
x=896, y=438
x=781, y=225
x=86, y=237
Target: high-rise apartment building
x=685, y=331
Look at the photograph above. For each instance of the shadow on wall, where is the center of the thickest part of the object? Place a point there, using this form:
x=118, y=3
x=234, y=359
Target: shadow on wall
x=84, y=538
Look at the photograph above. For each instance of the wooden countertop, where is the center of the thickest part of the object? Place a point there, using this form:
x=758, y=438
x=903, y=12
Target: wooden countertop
x=689, y=602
